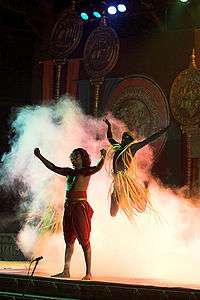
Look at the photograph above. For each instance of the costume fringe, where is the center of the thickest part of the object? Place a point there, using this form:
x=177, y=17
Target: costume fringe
x=129, y=192
x=51, y=221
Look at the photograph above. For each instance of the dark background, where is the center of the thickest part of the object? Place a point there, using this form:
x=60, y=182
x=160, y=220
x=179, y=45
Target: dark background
x=158, y=35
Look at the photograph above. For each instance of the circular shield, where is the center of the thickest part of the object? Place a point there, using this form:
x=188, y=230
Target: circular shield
x=185, y=97
x=140, y=103
x=66, y=34
x=101, y=51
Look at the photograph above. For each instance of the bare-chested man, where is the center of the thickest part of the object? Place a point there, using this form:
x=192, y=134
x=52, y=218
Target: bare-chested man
x=78, y=212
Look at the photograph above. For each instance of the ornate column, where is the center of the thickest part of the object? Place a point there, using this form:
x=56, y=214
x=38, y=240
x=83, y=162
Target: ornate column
x=58, y=69
x=47, y=83
x=72, y=77
x=65, y=37
x=186, y=131
x=185, y=106
x=100, y=56
x=96, y=85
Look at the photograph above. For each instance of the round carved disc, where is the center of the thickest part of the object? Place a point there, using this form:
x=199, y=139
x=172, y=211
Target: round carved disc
x=185, y=97
x=101, y=51
x=140, y=103
x=66, y=34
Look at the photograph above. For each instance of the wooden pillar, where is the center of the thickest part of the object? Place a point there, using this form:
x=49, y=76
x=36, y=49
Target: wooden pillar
x=73, y=67
x=195, y=176
x=96, y=85
x=47, y=81
x=58, y=67
x=197, y=46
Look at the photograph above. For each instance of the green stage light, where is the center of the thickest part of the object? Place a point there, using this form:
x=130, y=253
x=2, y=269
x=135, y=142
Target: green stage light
x=84, y=16
x=96, y=14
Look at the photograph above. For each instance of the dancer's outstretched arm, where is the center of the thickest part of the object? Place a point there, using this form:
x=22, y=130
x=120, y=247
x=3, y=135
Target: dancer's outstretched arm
x=109, y=133
x=95, y=169
x=150, y=139
x=52, y=167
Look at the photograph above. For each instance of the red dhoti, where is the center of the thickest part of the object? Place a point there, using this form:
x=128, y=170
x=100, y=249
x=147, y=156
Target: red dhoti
x=77, y=219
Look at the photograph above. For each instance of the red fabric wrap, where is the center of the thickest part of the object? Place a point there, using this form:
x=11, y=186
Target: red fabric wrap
x=77, y=194
x=77, y=222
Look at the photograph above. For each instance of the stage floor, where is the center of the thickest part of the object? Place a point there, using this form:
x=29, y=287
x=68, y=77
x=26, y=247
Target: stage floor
x=21, y=268
x=16, y=284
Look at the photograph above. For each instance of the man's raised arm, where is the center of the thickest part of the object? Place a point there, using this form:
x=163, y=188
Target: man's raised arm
x=150, y=139
x=95, y=169
x=51, y=166
x=109, y=133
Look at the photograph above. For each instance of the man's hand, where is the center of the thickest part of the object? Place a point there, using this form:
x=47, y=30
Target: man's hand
x=103, y=153
x=167, y=128
x=106, y=121
x=37, y=152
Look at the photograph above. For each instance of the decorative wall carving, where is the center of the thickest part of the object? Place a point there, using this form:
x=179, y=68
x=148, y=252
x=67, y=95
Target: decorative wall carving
x=65, y=38
x=66, y=34
x=101, y=51
x=185, y=106
x=100, y=56
x=141, y=104
x=185, y=97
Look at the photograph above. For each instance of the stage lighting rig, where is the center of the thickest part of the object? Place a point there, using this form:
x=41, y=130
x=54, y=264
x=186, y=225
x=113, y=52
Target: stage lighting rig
x=116, y=7
x=112, y=10
x=84, y=16
x=121, y=7
x=92, y=12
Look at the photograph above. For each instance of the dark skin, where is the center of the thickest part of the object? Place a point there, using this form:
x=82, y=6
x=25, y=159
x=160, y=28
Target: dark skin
x=126, y=139
x=81, y=174
x=77, y=180
x=118, y=164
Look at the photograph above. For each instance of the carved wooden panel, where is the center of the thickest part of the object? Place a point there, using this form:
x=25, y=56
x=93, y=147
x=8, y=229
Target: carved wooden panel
x=185, y=97
x=101, y=51
x=141, y=104
x=66, y=34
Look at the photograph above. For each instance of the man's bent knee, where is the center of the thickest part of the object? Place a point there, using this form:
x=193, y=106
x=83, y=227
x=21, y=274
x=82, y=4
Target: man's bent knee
x=85, y=246
x=114, y=207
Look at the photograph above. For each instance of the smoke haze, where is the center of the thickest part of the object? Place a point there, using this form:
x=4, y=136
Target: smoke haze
x=162, y=243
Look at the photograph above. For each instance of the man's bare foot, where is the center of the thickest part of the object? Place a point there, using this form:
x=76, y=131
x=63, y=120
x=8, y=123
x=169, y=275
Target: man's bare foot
x=87, y=277
x=63, y=274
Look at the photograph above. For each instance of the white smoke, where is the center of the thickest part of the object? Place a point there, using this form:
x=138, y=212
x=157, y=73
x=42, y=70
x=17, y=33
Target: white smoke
x=161, y=244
